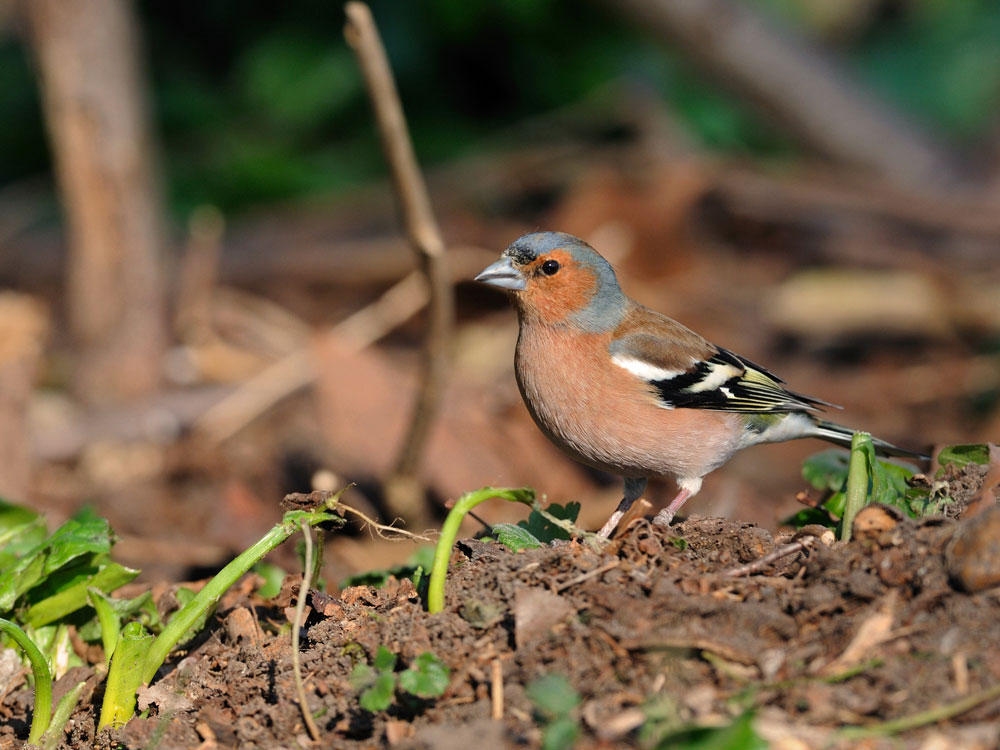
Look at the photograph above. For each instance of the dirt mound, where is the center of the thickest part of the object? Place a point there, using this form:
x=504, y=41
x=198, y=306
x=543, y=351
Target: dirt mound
x=655, y=633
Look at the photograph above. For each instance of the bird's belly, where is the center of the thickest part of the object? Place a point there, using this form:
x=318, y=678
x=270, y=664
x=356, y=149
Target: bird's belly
x=615, y=424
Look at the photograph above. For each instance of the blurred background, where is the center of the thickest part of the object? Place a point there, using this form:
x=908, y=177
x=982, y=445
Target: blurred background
x=205, y=289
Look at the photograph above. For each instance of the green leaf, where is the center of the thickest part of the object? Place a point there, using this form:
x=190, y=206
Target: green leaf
x=808, y=516
x=21, y=529
x=185, y=596
x=15, y=541
x=385, y=660
x=544, y=530
x=514, y=537
x=273, y=577
x=427, y=677
x=13, y=516
x=826, y=470
x=961, y=455
x=553, y=696
x=83, y=535
x=362, y=677
x=107, y=578
x=561, y=734
x=422, y=558
x=835, y=504
x=140, y=608
x=739, y=735
x=379, y=696
x=125, y=675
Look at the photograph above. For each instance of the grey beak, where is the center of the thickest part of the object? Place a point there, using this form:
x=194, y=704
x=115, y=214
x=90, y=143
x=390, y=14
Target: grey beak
x=502, y=274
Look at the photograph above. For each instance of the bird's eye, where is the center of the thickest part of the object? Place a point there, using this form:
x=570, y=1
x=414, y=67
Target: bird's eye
x=550, y=267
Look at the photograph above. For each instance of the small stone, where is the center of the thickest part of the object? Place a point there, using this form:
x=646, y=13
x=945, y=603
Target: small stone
x=480, y=614
x=973, y=556
x=240, y=626
x=875, y=522
x=536, y=612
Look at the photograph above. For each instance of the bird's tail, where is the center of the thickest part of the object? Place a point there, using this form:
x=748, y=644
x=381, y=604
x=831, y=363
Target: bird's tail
x=841, y=435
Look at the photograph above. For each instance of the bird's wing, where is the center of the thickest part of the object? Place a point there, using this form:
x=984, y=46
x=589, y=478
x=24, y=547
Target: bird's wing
x=685, y=371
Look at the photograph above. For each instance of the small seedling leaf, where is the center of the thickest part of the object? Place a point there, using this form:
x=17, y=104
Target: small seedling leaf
x=826, y=470
x=739, y=735
x=561, y=734
x=273, y=577
x=362, y=677
x=553, y=696
x=385, y=660
x=421, y=560
x=141, y=608
x=960, y=455
x=427, y=677
x=515, y=538
x=544, y=530
x=379, y=696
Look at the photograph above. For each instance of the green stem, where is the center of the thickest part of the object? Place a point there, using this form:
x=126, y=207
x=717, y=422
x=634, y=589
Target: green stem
x=125, y=675
x=109, y=622
x=857, y=484
x=209, y=596
x=64, y=709
x=922, y=719
x=449, y=532
x=43, y=680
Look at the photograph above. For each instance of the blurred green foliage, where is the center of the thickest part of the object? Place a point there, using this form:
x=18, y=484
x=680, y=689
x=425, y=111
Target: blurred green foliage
x=264, y=102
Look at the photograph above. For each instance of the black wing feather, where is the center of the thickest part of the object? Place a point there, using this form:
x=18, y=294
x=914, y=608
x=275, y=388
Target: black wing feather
x=751, y=389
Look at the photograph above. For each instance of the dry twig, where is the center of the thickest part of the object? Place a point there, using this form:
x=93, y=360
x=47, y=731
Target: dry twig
x=297, y=370
x=383, y=531
x=755, y=566
x=425, y=237
x=496, y=689
x=300, y=607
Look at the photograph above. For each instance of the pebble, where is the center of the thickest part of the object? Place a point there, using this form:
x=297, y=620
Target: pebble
x=973, y=555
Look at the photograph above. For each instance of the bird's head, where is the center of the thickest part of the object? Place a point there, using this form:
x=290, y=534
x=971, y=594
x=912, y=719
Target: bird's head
x=559, y=279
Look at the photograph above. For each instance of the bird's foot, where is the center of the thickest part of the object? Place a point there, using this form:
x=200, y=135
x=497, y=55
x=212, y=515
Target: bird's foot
x=609, y=528
x=664, y=517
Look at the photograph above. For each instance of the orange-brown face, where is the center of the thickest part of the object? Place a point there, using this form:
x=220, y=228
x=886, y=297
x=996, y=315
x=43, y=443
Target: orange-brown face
x=556, y=286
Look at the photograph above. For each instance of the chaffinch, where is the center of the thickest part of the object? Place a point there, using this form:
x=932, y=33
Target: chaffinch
x=622, y=388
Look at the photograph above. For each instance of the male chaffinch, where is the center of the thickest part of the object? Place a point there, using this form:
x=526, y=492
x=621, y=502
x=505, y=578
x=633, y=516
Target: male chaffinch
x=622, y=388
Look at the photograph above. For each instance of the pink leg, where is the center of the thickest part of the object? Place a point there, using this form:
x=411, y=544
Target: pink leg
x=665, y=516
x=633, y=491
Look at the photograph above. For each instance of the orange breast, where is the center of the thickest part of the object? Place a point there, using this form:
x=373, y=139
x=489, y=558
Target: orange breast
x=604, y=416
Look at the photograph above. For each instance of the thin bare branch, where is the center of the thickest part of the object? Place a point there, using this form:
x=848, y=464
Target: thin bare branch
x=297, y=370
x=300, y=607
x=425, y=238
x=755, y=566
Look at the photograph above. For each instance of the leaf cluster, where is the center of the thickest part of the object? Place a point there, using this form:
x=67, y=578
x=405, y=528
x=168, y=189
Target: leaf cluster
x=537, y=530
x=414, y=569
x=426, y=677
x=49, y=581
x=555, y=702
x=888, y=483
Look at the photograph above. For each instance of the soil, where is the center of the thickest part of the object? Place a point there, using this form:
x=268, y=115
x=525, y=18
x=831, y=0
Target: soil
x=653, y=625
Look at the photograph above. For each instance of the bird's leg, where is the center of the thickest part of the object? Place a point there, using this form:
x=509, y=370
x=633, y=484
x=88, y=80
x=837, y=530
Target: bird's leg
x=689, y=488
x=633, y=491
